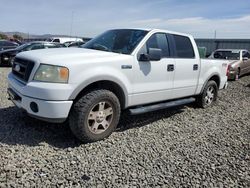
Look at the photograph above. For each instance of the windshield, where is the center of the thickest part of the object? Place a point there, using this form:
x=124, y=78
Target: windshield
x=230, y=54
x=23, y=46
x=121, y=41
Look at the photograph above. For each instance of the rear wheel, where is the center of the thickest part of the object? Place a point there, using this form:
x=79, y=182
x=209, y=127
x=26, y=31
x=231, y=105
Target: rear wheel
x=95, y=116
x=209, y=95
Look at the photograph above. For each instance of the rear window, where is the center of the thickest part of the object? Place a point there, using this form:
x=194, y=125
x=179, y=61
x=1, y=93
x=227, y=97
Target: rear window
x=184, y=47
x=229, y=54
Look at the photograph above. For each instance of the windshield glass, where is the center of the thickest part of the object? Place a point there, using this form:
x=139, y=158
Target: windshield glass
x=119, y=41
x=230, y=54
x=22, y=47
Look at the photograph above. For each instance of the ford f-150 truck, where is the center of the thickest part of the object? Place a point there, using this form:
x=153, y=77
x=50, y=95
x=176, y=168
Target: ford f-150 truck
x=135, y=69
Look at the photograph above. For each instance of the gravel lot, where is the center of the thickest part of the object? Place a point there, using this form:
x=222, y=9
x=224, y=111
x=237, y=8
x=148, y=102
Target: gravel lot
x=187, y=147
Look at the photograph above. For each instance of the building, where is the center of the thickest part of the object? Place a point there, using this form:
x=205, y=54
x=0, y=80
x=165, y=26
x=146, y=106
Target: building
x=213, y=44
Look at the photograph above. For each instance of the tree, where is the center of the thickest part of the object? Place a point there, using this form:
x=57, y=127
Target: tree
x=3, y=36
x=17, y=37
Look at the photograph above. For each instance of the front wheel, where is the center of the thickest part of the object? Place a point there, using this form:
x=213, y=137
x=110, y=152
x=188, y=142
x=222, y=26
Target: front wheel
x=95, y=115
x=209, y=95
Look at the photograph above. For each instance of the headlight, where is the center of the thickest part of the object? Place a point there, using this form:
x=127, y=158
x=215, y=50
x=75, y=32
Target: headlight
x=51, y=73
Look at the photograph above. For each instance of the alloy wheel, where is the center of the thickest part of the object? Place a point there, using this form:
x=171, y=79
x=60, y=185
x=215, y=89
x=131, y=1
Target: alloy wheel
x=100, y=117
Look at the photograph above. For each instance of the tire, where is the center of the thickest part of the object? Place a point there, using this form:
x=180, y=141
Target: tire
x=95, y=115
x=208, y=95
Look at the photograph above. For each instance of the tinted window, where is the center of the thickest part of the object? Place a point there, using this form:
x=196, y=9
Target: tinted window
x=119, y=41
x=35, y=47
x=234, y=54
x=184, y=47
x=160, y=41
x=246, y=54
x=56, y=40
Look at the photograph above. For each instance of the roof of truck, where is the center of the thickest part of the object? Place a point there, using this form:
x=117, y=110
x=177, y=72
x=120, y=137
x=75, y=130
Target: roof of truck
x=157, y=30
x=231, y=50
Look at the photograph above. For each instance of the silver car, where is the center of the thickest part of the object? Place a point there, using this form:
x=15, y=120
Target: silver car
x=239, y=61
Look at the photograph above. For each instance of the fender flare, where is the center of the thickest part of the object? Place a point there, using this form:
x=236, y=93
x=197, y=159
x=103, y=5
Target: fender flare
x=208, y=79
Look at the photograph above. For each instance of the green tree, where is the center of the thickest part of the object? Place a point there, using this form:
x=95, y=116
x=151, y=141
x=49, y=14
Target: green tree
x=18, y=37
x=3, y=36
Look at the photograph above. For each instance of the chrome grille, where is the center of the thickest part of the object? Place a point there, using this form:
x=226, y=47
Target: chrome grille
x=22, y=68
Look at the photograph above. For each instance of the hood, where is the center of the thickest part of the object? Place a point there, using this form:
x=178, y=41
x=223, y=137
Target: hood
x=62, y=56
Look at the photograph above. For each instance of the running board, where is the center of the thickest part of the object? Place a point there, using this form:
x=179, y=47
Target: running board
x=159, y=106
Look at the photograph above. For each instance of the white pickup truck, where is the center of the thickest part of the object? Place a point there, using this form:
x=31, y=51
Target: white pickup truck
x=135, y=69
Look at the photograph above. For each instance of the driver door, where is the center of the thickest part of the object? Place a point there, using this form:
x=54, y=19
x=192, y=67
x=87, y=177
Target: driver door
x=153, y=81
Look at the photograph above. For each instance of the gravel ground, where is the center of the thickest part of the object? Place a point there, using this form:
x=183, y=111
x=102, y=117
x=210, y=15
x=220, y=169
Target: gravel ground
x=188, y=147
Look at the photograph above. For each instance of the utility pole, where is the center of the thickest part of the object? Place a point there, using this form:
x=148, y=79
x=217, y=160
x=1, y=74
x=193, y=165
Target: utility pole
x=215, y=33
x=71, y=24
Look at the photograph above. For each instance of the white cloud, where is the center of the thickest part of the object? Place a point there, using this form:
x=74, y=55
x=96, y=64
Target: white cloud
x=148, y=21
x=202, y=27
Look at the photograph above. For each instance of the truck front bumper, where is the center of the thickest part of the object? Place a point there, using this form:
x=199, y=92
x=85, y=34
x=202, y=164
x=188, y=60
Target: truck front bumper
x=50, y=111
x=28, y=98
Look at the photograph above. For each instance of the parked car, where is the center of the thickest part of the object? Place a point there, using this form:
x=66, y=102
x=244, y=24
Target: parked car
x=68, y=43
x=5, y=44
x=63, y=39
x=135, y=69
x=6, y=56
x=239, y=61
x=76, y=44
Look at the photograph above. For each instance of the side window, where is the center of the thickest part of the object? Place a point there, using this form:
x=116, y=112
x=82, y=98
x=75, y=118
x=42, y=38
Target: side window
x=246, y=54
x=56, y=40
x=159, y=40
x=184, y=47
x=50, y=46
x=37, y=47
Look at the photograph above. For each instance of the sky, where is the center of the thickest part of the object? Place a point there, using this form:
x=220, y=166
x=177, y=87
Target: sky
x=87, y=18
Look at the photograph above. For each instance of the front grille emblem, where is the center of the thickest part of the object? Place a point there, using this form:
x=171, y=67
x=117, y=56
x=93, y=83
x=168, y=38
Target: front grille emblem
x=17, y=68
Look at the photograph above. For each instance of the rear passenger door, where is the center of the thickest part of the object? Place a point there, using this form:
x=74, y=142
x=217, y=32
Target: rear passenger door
x=152, y=80
x=187, y=66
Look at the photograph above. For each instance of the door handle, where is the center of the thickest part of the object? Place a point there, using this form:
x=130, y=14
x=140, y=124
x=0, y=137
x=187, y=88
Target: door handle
x=170, y=67
x=195, y=67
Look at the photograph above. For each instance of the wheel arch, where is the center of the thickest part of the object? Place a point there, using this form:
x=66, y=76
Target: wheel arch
x=112, y=86
x=214, y=77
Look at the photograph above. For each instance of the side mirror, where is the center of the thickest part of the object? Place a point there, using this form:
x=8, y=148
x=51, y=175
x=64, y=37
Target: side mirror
x=154, y=54
x=245, y=58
